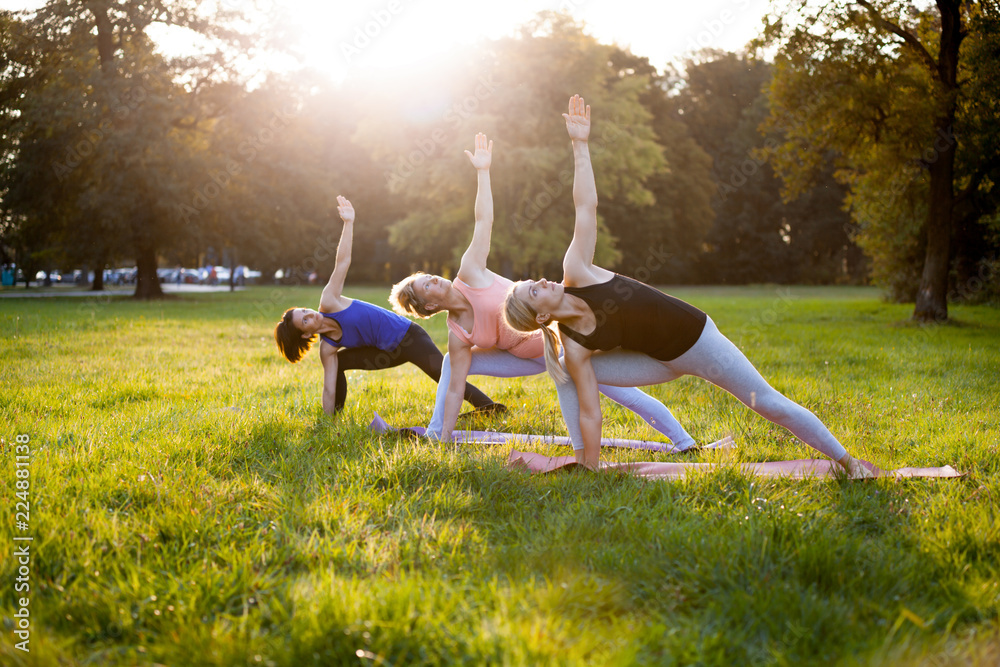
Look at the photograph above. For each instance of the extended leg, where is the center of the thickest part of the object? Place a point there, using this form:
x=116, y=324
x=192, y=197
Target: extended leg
x=716, y=359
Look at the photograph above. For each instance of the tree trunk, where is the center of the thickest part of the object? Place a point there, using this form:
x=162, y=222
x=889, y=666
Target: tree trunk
x=932, y=297
x=147, y=284
x=98, y=284
x=105, y=37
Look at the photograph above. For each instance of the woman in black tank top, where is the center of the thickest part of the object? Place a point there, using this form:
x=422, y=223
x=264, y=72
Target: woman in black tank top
x=601, y=315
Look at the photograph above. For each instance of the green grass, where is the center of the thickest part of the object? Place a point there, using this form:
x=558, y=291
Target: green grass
x=192, y=505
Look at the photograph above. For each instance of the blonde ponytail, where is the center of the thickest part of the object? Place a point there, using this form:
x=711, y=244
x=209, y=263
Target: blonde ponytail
x=552, y=363
x=521, y=317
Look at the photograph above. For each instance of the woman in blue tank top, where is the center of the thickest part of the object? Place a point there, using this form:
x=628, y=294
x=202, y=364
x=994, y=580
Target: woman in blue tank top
x=635, y=333
x=358, y=335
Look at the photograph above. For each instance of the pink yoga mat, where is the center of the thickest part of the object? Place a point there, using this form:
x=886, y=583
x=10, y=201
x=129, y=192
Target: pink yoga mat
x=379, y=425
x=799, y=469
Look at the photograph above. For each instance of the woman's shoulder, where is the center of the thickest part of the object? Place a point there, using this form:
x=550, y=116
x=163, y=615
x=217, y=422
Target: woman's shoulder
x=592, y=275
x=359, y=305
x=595, y=276
x=334, y=305
x=478, y=280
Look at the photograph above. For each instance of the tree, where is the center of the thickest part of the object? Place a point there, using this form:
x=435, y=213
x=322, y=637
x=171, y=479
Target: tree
x=89, y=102
x=257, y=188
x=515, y=92
x=721, y=98
x=662, y=242
x=28, y=237
x=884, y=87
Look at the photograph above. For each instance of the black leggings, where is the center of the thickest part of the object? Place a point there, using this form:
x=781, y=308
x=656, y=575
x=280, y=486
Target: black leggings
x=416, y=347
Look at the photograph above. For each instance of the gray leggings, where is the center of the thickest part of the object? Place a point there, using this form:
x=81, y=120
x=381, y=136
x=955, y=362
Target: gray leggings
x=716, y=359
x=499, y=363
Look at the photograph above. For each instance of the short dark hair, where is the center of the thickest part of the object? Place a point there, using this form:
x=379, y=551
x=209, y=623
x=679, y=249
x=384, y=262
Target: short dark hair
x=289, y=338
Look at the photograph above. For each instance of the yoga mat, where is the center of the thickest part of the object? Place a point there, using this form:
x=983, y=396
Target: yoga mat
x=379, y=425
x=798, y=469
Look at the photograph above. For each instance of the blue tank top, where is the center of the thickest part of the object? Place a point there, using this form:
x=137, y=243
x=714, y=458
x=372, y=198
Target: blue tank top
x=365, y=325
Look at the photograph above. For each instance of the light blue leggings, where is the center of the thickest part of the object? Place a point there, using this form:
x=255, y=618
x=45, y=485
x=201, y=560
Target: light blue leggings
x=716, y=359
x=500, y=363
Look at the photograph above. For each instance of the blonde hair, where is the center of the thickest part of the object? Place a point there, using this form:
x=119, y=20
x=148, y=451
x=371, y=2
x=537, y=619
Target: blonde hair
x=404, y=300
x=520, y=316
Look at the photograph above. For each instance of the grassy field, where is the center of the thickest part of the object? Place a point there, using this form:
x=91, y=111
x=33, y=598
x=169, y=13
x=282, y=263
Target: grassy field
x=191, y=504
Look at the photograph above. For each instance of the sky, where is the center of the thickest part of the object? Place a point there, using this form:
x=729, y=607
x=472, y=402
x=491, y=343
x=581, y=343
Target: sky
x=350, y=37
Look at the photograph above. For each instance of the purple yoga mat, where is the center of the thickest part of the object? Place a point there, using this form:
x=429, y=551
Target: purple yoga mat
x=379, y=425
x=798, y=469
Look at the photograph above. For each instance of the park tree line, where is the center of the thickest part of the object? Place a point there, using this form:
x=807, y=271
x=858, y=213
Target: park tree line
x=864, y=148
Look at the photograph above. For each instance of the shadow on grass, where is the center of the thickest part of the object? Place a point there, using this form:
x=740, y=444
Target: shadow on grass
x=723, y=550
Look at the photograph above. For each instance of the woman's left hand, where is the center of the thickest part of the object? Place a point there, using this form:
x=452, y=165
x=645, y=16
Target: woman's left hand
x=855, y=469
x=345, y=209
x=483, y=156
x=578, y=119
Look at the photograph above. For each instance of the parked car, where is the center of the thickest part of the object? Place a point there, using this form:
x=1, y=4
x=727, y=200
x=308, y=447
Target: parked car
x=122, y=276
x=54, y=276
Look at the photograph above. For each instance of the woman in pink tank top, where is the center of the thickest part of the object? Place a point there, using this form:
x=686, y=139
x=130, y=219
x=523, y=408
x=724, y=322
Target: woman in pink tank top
x=479, y=340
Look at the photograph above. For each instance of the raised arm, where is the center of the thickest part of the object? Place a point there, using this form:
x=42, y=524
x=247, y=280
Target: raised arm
x=473, y=269
x=578, y=263
x=330, y=301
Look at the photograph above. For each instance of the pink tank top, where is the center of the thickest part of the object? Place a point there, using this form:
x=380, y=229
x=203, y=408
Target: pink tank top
x=489, y=329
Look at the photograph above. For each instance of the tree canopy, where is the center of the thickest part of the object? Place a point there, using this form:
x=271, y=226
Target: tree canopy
x=867, y=147
x=897, y=98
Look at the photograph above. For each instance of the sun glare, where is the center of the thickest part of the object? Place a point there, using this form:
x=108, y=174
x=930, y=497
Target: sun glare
x=385, y=36
x=385, y=39
x=377, y=37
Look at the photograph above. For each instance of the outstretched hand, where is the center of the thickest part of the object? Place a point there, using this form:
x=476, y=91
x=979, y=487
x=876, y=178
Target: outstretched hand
x=345, y=209
x=483, y=156
x=578, y=119
x=855, y=470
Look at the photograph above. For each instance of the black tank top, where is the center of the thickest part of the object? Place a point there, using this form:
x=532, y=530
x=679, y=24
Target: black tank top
x=635, y=316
